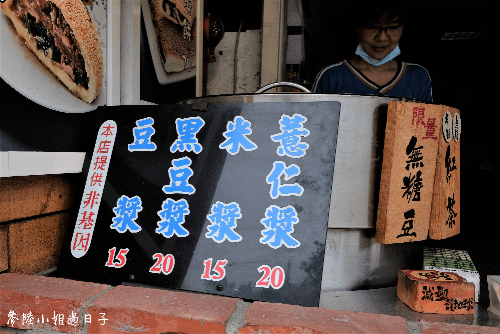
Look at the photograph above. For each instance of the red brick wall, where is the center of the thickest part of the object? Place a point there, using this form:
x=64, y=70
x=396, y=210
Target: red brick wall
x=100, y=308
x=137, y=309
x=33, y=221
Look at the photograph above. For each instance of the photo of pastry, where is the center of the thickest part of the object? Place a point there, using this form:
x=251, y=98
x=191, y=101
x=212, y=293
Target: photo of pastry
x=171, y=32
x=68, y=38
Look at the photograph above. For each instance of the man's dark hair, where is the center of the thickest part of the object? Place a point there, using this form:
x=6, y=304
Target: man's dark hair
x=367, y=12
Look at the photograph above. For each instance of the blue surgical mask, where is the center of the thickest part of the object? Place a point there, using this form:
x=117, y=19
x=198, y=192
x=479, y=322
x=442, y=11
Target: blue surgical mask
x=375, y=62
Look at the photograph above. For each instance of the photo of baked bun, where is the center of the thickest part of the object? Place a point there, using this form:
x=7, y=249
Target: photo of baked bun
x=63, y=37
x=175, y=28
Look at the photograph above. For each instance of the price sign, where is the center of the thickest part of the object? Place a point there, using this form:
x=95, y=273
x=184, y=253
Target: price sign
x=231, y=200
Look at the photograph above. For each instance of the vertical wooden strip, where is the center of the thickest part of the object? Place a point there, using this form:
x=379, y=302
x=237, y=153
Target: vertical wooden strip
x=273, y=42
x=409, y=163
x=4, y=248
x=445, y=214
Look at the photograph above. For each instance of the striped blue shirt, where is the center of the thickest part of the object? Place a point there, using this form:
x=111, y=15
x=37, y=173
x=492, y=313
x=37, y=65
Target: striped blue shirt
x=411, y=81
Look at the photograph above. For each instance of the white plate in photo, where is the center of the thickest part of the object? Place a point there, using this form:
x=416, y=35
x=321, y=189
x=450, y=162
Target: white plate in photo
x=22, y=70
x=162, y=75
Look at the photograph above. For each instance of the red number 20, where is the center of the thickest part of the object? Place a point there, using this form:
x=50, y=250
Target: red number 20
x=164, y=264
x=274, y=277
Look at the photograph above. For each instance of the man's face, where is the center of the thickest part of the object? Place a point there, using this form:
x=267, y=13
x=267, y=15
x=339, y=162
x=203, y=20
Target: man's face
x=379, y=39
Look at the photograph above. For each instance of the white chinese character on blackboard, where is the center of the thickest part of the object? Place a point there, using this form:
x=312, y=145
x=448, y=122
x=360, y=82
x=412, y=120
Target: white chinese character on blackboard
x=290, y=137
x=179, y=175
x=279, y=225
x=173, y=216
x=126, y=213
x=236, y=136
x=224, y=220
x=187, y=129
x=142, y=136
x=274, y=179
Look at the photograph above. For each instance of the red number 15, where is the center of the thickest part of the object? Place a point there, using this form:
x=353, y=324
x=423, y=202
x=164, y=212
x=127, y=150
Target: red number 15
x=219, y=269
x=120, y=257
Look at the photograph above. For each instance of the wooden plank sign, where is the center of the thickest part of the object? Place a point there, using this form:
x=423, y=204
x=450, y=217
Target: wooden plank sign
x=409, y=163
x=445, y=214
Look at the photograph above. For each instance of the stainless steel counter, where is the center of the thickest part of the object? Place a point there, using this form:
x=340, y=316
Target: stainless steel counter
x=385, y=301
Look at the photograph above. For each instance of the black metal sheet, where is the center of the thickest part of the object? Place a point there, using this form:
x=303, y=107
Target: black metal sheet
x=217, y=177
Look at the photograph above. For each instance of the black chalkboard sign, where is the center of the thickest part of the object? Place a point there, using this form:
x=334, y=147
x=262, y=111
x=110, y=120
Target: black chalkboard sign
x=232, y=199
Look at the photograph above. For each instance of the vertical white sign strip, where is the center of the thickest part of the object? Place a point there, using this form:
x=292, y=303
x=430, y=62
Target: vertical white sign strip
x=92, y=194
x=113, y=53
x=457, y=126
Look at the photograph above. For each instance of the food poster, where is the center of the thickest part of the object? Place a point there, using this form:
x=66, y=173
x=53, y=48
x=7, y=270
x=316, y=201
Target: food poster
x=445, y=214
x=169, y=30
x=231, y=199
x=409, y=163
x=54, y=52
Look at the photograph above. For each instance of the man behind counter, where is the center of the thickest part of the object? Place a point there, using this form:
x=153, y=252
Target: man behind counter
x=373, y=69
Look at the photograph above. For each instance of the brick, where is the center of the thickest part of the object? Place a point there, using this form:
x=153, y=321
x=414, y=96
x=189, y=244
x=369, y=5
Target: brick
x=35, y=245
x=44, y=296
x=445, y=328
x=280, y=318
x=145, y=310
x=4, y=249
x=28, y=196
x=431, y=291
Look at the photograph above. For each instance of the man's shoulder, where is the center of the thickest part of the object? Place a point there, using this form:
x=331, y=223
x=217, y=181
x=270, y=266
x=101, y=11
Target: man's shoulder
x=332, y=69
x=417, y=69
